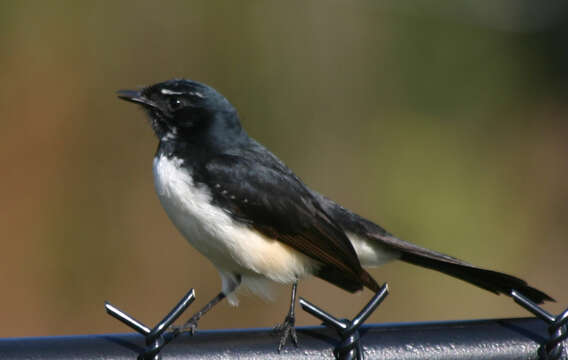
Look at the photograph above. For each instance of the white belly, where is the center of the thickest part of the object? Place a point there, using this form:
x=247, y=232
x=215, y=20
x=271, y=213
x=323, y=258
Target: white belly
x=235, y=249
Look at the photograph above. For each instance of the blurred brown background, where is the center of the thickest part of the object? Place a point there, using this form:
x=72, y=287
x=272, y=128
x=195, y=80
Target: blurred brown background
x=444, y=121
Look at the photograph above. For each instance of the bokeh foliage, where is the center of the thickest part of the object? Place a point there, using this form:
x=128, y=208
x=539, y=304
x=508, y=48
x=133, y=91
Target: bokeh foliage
x=444, y=121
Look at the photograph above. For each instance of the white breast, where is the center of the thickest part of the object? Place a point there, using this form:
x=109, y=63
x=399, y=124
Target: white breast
x=235, y=249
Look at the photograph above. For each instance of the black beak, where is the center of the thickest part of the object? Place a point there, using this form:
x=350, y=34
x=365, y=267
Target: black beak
x=136, y=97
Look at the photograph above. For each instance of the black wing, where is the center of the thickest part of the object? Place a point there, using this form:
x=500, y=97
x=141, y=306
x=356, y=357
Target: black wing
x=260, y=191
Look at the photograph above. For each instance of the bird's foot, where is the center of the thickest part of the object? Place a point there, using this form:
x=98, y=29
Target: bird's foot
x=190, y=326
x=287, y=330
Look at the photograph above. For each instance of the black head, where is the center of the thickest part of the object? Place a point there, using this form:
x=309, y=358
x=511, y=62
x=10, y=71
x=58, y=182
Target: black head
x=185, y=110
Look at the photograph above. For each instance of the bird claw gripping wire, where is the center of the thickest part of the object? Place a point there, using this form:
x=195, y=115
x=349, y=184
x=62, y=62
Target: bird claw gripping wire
x=350, y=347
x=557, y=327
x=155, y=339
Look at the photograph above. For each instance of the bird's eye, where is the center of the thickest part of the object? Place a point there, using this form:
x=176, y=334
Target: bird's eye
x=175, y=103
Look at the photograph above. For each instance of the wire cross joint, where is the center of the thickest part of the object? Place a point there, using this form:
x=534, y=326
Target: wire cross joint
x=155, y=339
x=350, y=347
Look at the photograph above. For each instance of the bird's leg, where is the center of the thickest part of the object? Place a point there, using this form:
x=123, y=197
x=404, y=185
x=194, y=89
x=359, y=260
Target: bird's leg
x=191, y=324
x=287, y=328
x=230, y=284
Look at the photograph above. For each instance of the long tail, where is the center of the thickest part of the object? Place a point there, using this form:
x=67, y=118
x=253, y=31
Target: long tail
x=383, y=242
x=496, y=282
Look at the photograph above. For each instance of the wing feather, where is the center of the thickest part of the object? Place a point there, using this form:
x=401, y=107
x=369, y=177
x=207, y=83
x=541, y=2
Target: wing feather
x=267, y=196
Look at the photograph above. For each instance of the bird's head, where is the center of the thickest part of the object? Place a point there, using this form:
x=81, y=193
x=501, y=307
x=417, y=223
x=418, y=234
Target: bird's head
x=185, y=109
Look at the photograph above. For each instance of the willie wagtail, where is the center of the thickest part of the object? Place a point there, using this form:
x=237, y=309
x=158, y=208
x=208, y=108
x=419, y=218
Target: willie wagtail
x=255, y=220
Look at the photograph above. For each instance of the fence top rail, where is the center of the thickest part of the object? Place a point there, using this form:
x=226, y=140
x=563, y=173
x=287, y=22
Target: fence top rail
x=471, y=339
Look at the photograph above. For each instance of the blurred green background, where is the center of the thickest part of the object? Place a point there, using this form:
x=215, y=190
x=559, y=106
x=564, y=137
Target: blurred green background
x=444, y=121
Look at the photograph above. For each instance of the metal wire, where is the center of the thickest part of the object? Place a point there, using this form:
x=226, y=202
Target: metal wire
x=350, y=346
x=557, y=328
x=155, y=340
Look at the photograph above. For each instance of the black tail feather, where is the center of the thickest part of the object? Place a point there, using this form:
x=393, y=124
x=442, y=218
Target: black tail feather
x=496, y=282
x=493, y=281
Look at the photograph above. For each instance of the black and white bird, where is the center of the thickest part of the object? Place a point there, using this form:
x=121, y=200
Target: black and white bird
x=255, y=220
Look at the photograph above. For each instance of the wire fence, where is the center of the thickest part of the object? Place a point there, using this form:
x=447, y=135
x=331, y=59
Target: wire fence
x=543, y=337
x=479, y=339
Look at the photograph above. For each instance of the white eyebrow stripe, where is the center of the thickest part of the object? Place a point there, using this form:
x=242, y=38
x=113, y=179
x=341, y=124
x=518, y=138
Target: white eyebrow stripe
x=198, y=94
x=170, y=92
